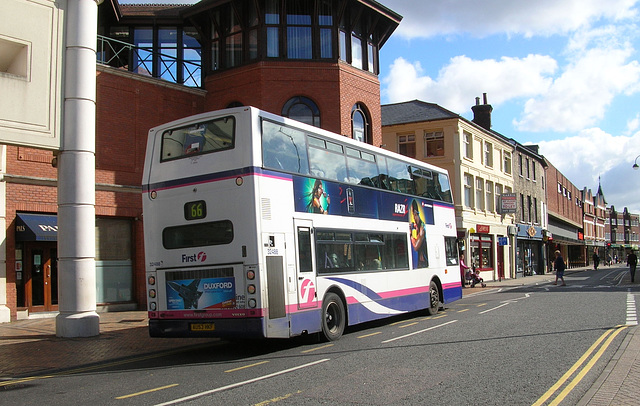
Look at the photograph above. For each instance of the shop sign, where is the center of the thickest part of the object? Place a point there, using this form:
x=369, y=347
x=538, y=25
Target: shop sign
x=508, y=203
x=483, y=229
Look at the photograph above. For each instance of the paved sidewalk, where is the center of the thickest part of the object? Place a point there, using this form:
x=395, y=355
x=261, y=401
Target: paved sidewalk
x=30, y=348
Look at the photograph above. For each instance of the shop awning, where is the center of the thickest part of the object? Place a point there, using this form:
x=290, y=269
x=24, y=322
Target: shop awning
x=36, y=227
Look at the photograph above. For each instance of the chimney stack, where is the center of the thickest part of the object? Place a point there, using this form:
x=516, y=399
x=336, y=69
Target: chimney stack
x=482, y=113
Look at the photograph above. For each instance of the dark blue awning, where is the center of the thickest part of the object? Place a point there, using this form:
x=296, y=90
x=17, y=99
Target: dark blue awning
x=36, y=227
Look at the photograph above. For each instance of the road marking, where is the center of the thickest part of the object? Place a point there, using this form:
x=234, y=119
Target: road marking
x=463, y=310
x=278, y=399
x=246, y=366
x=371, y=334
x=577, y=365
x=144, y=392
x=418, y=332
x=632, y=316
x=494, y=308
x=317, y=348
x=408, y=325
x=238, y=384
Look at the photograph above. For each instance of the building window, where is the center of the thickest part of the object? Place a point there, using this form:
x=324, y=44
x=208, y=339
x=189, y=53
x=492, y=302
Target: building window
x=468, y=190
x=489, y=199
x=356, y=45
x=325, y=21
x=529, y=209
x=360, y=128
x=299, y=42
x=506, y=162
x=479, y=193
x=522, y=211
x=498, y=196
x=302, y=109
x=434, y=143
x=407, y=145
x=533, y=170
x=526, y=163
x=468, y=145
x=272, y=20
x=488, y=154
x=521, y=165
x=535, y=210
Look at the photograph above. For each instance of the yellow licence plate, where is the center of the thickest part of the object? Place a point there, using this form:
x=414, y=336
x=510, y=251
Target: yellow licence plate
x=202, y=327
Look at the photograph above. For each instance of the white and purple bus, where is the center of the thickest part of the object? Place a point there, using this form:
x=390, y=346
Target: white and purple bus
x=260, y=226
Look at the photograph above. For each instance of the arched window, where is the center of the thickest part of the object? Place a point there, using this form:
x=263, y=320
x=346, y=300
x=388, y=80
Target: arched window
x=360, y=128
x=302, y=109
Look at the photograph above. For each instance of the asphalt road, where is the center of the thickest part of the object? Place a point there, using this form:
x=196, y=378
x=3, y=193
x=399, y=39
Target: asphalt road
x=507, y=346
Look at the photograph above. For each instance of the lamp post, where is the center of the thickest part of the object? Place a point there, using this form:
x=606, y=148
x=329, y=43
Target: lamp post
x=635, y=164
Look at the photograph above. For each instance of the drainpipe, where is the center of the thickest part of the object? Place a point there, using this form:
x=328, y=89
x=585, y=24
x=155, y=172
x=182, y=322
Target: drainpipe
x=76, y=176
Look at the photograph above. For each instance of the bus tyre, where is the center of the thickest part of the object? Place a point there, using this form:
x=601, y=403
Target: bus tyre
x=333, y=317
x=434, y=299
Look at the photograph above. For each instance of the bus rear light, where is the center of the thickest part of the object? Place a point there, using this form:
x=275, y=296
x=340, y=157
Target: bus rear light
x=251, y=275
x=152, y=280
x=154, y=194
x=252, y=303
x=152, y=293
x=239, y=181
x=251, y=289
x=152, y=306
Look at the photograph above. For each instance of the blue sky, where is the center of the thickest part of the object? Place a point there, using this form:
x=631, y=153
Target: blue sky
x=563, y=74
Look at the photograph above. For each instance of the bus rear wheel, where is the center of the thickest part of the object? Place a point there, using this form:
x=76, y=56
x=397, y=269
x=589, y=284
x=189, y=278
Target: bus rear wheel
x=434, y=299
x=333, y=317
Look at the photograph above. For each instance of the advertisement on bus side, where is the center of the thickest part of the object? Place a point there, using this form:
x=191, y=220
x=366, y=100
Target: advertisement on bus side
x=208, y=293
x=323, y=197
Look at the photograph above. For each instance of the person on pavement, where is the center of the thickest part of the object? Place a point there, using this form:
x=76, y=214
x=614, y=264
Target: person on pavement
x=632, y=261
x=559, y=267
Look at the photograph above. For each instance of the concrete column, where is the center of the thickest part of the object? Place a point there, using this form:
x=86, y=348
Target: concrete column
x=76, y=177
x=5, y=312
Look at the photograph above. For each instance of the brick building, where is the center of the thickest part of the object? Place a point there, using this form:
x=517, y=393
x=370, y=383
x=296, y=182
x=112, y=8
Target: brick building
x=313, y=60
x=565, y=218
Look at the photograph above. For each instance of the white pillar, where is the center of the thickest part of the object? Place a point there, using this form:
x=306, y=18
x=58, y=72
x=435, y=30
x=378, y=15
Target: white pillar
x=76, y=176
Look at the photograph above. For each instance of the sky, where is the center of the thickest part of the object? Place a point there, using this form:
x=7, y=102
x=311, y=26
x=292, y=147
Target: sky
x=562, y=74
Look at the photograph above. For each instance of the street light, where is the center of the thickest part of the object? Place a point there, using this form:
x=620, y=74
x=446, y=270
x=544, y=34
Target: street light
x=635, y=164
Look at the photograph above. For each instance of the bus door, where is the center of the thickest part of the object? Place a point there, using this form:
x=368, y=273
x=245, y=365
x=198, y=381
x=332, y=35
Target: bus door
x=276, y=318
x=306, y=275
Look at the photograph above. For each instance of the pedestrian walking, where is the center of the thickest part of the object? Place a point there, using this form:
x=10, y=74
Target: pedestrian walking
x=632, y=261
x=559, y=267
x=596, y=261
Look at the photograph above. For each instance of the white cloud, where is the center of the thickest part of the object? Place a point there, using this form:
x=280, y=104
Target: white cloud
x=425, y=19
x=580, y=96
x=463, y=79
x=594, y=154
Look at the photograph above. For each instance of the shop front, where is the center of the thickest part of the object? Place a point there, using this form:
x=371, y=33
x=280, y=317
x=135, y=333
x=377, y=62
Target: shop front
x=36, y=263
x=530, y=253
x=485, y=252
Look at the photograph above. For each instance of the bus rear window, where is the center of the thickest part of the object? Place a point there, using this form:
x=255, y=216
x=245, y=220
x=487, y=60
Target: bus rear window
x=198, y=235
x=200, y=138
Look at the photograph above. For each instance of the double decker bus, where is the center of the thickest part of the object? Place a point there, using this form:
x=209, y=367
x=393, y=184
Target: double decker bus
x=260, y=226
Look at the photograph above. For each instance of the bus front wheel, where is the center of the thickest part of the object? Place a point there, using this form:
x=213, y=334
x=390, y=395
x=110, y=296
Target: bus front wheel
x=434, y=299
x=333, y=317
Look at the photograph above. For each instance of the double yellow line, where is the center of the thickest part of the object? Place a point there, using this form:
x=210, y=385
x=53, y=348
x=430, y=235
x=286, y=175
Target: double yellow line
x=609, y=336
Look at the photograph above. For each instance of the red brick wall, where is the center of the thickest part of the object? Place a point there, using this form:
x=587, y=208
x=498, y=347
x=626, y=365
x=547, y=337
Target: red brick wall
x=557, y=203
x=335, y=88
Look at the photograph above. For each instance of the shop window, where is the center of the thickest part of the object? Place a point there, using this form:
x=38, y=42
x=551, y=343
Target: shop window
x=114, y=262
x=481, y=249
